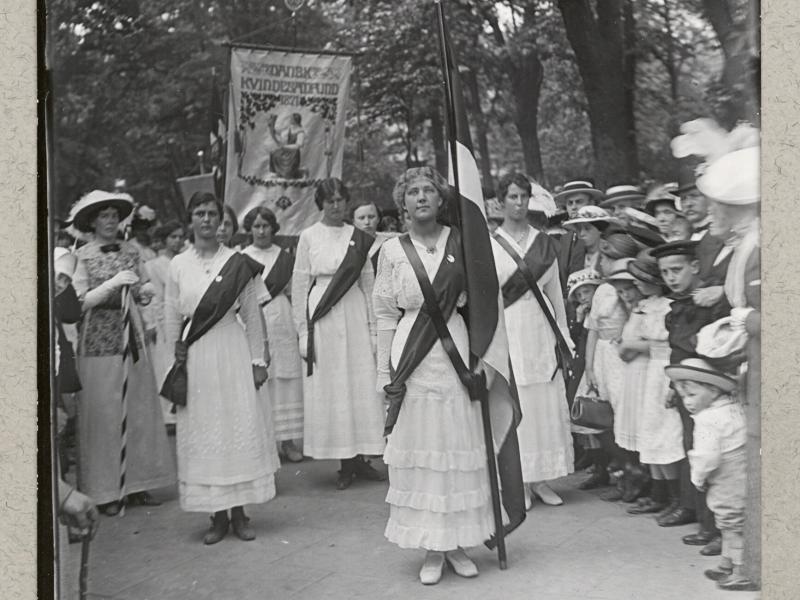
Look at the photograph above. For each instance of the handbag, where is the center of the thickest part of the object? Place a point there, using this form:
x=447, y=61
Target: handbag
x=591, y=411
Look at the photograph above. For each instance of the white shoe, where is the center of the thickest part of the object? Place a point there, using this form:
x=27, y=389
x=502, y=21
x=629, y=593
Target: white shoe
x=431, y=571
x=528, y=498
x=547, y=495
x=461, y=563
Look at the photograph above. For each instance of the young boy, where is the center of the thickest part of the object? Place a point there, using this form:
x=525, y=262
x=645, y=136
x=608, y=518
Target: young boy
x=680, y=271
x=718, y=460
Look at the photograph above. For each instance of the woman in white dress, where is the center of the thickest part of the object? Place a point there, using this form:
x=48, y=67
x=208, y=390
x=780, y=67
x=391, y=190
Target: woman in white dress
x=545, y=440
x=331, y=284
x=226, y=457
x=173, y=236
x=439, y=494
x=285, y=384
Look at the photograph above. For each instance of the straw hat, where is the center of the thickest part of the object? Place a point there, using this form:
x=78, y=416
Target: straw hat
x=599, y=217
x=64, y=262
x=662, y=193
x=578, y=186
x=619, y=270
x=95, y=201
x=734, y=178
x=645, y=270
x=622, y=193
x=581, y=278
x=541, y=201
x=696, y=369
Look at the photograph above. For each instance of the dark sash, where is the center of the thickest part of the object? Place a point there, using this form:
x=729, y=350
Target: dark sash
x=215, y=304
x=346, y=275
x=280, y=274
x=441, y=297
x=537, y=260
x=530, y=277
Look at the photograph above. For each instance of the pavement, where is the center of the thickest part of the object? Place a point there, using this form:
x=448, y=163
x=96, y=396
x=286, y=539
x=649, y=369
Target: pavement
x=314, y=542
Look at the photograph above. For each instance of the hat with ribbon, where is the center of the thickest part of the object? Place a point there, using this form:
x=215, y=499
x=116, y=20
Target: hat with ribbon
x=697, y=369
x=666, y=194
x=89, y=205
x=616, y=243
x=677, y=248
x=645, y=270
x=594, y=215
x=622, y=193
x=579, y=186
x=541, y=201
x=619, y=270
x=581, y=278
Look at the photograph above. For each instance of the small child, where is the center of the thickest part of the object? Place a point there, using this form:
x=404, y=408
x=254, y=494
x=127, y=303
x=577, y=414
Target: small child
x=718, y=461
x=681, y=229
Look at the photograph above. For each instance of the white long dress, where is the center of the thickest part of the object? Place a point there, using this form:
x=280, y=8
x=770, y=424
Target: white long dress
x=161, y=354
x=226, y=454
x=661, y=436
x=343, y=415
x=607, y=318
x=439, y=493
x=285, y=384
x=545, y=441
x=628, y=409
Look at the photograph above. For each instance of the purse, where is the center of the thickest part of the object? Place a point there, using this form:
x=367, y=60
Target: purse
x=591, y=411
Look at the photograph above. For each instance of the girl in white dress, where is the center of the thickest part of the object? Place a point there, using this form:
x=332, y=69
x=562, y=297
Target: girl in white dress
x=331, y=284
x=545, y=440
x=285, y=384
x=226, y=457
x=439, y=493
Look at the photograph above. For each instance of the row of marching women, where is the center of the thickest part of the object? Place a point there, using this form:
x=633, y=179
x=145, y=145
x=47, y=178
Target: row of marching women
x=632, y=329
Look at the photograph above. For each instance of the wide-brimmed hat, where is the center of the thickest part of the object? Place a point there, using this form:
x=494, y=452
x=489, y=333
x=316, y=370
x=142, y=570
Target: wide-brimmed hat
x=97, y=200
x=734, y=178
x=581, y=278
x=619, y=270
x=594, y=215
x=64, y=262
x=541, y=201
x=579, y=186
x=646, y=270
x=666, y=193
x=645, y=237
x=696, y=369
x=622, y=193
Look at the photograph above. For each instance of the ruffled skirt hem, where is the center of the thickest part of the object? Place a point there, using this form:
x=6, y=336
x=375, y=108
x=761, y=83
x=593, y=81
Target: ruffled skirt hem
x=446, y=536
x=212, y=498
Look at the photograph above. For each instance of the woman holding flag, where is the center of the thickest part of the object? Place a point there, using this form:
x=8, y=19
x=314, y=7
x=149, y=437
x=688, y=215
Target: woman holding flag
x=123, y=447
x=226, y=457
x=439, y=493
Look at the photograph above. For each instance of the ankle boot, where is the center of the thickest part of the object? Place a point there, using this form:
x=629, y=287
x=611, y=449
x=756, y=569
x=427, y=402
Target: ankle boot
x=240, y=524
x=346, y=474
x=219, y=528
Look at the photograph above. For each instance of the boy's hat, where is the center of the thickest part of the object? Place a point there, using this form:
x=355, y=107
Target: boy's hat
x=594, y=215
x=578, y=187
x=677, y=248
x=666, y=193
x=620, y=193
x=696, y=369
x=580, y=278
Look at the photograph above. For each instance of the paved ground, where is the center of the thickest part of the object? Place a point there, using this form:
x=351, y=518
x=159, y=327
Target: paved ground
x=315, y=542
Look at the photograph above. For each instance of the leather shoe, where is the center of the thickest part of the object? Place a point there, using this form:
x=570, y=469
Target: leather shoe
x=738, y=583
x=701, y=538
x=239, y=522
x=345, y=479
x=431, y=571
x=111, y=509
x=671, y=507
x=717, y=573
x=680, y=516
x=143, y=499
x=546, y=494
x=648, y=506
x=219, y=528
x=611, y=495
x=713, y=548
x=598, y=479
x=461, y=563
x=364, y=470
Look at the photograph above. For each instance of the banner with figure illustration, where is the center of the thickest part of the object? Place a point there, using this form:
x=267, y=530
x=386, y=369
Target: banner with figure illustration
x=286, y=124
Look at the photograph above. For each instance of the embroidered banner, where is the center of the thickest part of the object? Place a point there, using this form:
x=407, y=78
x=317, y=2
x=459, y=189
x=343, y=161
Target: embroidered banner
x=286, y=116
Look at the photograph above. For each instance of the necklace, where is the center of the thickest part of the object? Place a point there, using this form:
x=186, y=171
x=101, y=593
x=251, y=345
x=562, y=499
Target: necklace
x=207, y=263
x=518, y=238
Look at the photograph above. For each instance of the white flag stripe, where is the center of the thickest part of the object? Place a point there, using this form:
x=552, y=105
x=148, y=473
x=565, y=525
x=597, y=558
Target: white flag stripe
x=469, y=180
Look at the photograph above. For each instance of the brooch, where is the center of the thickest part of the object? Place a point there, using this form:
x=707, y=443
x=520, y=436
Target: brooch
x=352, y=243
x=451, y=258
x=218, y=278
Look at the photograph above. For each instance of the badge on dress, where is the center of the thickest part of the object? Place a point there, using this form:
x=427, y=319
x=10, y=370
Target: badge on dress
x=451, y=258
x=352, y=242
x=218, y=278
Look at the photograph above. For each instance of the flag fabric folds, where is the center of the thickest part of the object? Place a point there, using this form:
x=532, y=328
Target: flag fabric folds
x=217, y=134
x=485, y=319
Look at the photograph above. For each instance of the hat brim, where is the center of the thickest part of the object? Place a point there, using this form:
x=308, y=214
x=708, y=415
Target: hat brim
x=687, y=373
x=650, y=205
x=81, y=221
x=620, y=276
x=639, y=198
x=599, y=222
x=594, y=282
x=643, y=276
x=593, y=194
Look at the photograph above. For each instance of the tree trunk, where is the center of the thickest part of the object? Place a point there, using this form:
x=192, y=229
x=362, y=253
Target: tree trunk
x=471, y=80
x=526, y=75
x=629, y=74
x=599, y=52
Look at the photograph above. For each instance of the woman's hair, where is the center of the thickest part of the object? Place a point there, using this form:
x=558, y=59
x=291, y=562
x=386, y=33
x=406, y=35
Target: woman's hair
x=328, y=188
x=429, y=173
x=162, y=231
x=263, y=212
x=232, y=215
x=200, y=198
x=516, y=178
x=618, y=244
x=359, y=203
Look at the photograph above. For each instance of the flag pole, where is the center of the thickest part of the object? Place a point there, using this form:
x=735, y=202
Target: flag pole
x=478, y=393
